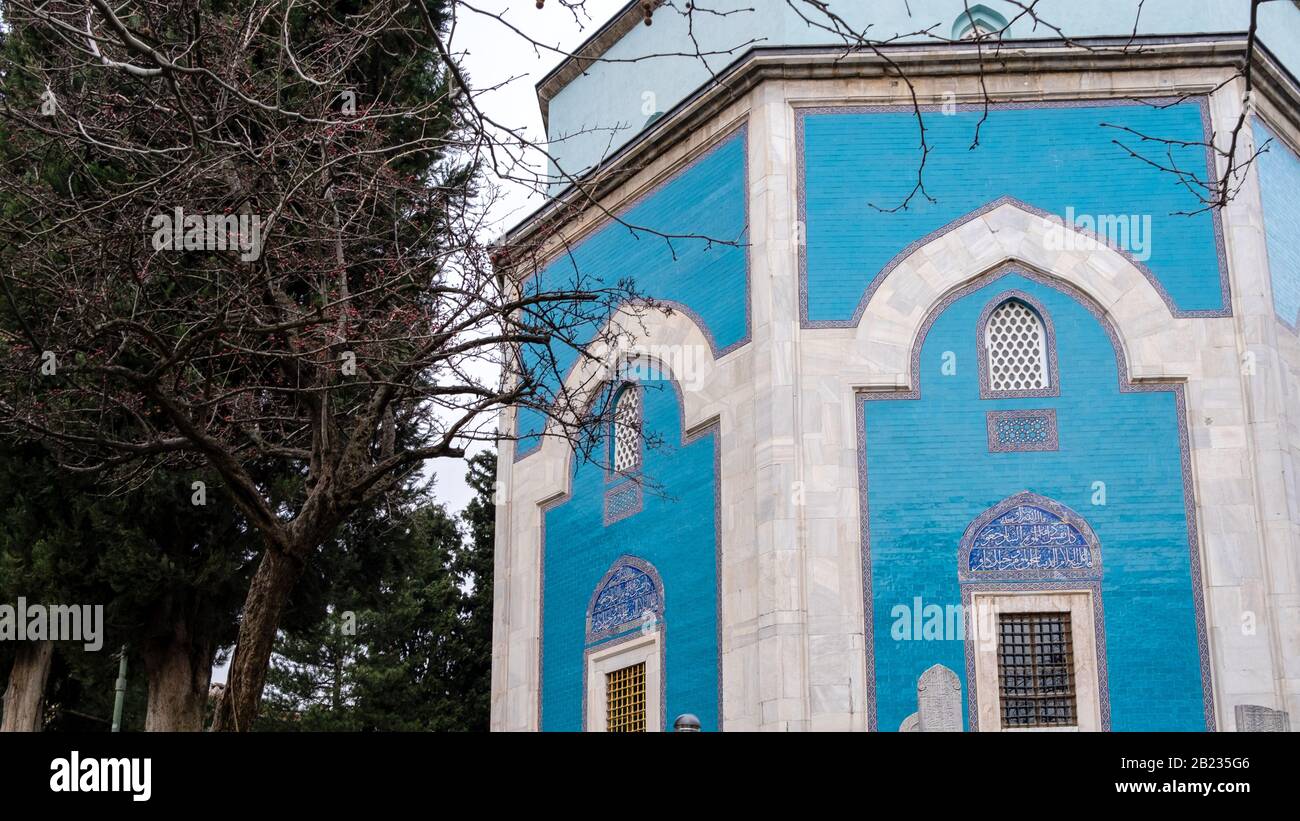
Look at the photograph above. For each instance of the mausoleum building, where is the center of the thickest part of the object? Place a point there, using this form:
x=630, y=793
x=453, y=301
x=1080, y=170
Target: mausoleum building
x=998, y=433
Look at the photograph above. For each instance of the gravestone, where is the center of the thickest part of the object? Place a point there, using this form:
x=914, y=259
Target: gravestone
x=1252, y=718
x=938, y=701
x=911, y=724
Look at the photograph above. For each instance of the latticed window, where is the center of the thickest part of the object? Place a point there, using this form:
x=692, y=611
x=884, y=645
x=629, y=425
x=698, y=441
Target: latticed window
x=1017, y=348
x=625, y=700
x=627, y=430
x=1036, y=670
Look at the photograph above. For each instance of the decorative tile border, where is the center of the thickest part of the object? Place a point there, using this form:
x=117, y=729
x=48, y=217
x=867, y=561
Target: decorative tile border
x=1212, y=174
x=998, y=421
x=1031, y=580
x=740, y=131
x=712, y=428
x=1063, y=514
x=1125, y=386
x=1278, y=136
x=1049, y=345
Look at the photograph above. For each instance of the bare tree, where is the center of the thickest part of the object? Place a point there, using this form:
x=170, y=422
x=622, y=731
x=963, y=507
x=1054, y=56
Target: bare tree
x=252, y=241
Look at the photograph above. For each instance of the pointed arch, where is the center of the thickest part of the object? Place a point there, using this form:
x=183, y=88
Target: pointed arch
x=1028, y=537
x=977, y=19
x=906, y=385
x=629, y=591
x=675, y=342
x=1029, y=544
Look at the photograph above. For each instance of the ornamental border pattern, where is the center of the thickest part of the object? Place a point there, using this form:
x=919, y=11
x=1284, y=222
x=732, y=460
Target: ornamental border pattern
x=612, y=512
x=996, y=445
x=803, y=112
x=1126, y=385
x=712, y=428
x=1049, y=345
x=739, y=131
x=1277, y=136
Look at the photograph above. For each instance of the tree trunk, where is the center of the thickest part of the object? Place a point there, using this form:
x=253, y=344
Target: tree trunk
x=179, y=669
x=272, y=583
x=24, y=703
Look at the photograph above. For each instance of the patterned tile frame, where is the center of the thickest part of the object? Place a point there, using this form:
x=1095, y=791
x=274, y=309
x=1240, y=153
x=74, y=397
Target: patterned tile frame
x=1049, y=344
x=996, y=443
x=599, y=642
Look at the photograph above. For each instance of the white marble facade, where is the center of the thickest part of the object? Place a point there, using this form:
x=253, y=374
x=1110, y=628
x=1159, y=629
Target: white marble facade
x=792, y=635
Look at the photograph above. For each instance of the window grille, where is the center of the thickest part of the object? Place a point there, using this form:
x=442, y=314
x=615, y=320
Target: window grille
x=1017, y=348
x=1036, y=670
x=625, y=700
x=627, y=430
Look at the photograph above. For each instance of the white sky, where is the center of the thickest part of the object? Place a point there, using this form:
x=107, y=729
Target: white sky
x=494, y=57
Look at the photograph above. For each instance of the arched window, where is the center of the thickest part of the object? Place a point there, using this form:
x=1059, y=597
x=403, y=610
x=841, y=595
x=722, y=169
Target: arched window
x=629, y=596
x=1030, y=572
x=627, y=430
x=978, y=21
x=1015, y=344
x=624, y=658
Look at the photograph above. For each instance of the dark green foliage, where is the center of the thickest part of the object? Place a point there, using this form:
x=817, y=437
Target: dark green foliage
x=150, y=556
x=418, y=590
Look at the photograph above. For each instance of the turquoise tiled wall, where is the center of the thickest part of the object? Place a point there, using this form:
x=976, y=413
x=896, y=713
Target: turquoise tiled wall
x=1279, y=178
x=1129, y=441
x=675, y=532
x=1052, y=158
x=702, y=204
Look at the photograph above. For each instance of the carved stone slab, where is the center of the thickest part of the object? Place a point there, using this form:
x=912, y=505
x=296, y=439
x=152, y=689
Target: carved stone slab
x=1252, y=718
x=911, y=724
x=938, y=701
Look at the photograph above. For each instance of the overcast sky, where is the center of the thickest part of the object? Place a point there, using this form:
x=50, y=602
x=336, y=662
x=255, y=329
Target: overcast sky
x=496, y=58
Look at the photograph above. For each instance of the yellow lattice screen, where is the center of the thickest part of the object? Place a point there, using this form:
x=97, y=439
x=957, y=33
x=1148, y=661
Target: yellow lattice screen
x=625, y=700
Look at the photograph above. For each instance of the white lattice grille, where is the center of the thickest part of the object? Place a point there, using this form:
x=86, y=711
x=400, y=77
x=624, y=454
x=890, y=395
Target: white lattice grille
x=1017, y=348
x=627, y=429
